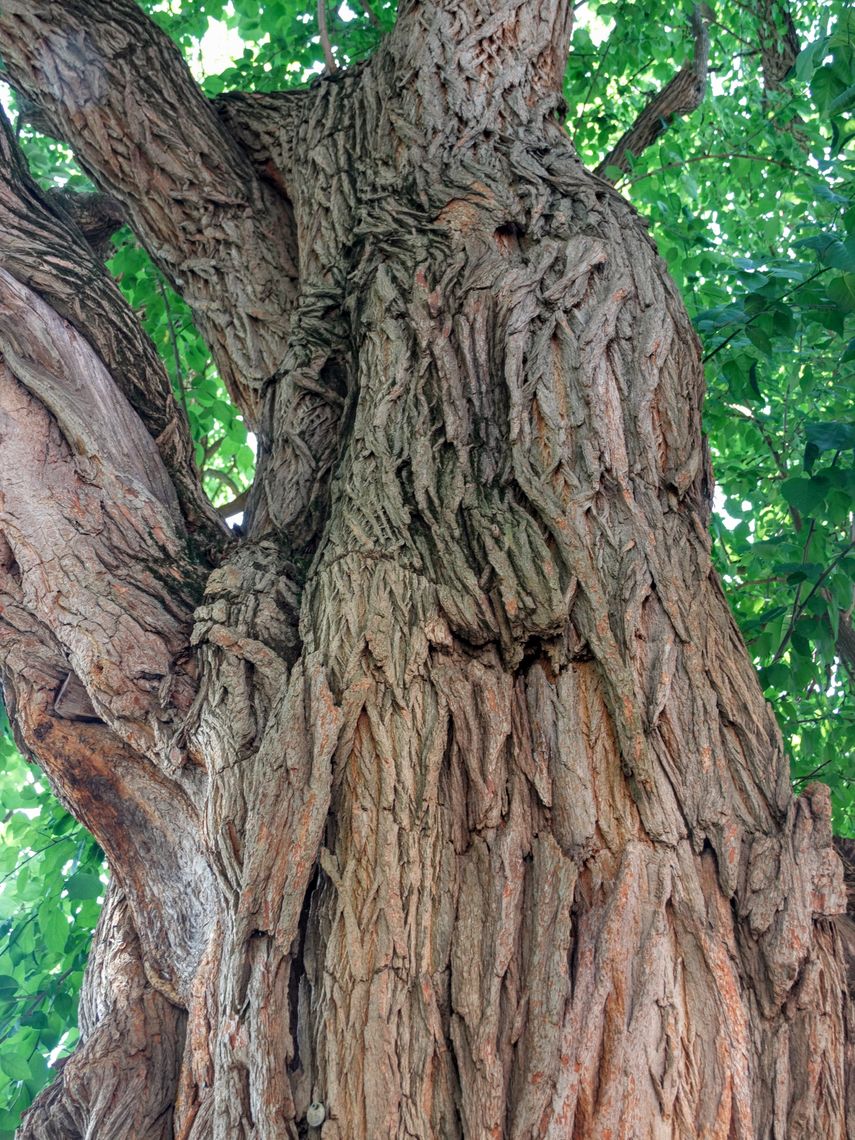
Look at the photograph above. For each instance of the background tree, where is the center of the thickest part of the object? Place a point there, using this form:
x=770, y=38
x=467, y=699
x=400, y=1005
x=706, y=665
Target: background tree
x=758, y=167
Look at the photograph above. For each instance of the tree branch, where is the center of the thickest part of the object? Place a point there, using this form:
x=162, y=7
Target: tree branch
x=265, y=124
x=680, y=97
x=122, y=96
x=778, y=39
x=127, y=804
x=88, y=512
x=43, y=248
x=97, y=216
x=329, y=58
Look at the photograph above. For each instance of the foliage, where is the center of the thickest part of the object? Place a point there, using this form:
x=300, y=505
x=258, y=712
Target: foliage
x=51, y=882
x=752, y=203
x=223, y=451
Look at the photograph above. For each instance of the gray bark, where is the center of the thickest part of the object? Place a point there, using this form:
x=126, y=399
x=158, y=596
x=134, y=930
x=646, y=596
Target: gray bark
x=447, y=797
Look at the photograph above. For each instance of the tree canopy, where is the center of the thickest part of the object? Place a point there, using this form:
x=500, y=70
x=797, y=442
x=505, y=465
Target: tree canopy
x=731, y=131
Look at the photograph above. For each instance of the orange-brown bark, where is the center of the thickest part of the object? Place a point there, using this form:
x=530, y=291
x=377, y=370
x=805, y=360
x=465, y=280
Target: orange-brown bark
x=455, y=802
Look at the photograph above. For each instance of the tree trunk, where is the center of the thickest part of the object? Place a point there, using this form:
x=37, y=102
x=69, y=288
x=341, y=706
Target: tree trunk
x=446, y=797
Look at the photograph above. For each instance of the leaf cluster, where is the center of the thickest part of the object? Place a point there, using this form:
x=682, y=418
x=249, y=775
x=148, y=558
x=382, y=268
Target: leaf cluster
x=52, y=879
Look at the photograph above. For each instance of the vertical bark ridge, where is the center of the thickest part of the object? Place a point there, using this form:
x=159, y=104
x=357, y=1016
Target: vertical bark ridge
x=267, y=739
x=543, y=693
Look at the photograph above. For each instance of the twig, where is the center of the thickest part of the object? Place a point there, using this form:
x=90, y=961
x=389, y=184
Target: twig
x=173, y=337
x=595, y=74
x=705, y=157
x=223, y=478
x=365, y=5
x=799, y=609
x=237, y=504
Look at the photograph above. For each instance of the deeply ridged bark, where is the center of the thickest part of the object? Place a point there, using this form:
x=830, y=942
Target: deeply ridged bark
x=482, y=827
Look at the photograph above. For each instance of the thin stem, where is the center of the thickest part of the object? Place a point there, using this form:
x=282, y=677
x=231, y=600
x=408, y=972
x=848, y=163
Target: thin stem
x=32, y=855
x=761, y=312
x=594, y=77
x=223, y=478
x=706, y=157
x=365, y=5
x=173, y=337
x=799, y=608
x=325, y=38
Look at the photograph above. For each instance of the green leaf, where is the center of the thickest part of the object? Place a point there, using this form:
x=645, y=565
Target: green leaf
x=759, y=339
x=84, y=886
x=842, y=291
x=809, y=59
x=804, y=494
x=54, y=928
x=14, y=1066
x=835, y=436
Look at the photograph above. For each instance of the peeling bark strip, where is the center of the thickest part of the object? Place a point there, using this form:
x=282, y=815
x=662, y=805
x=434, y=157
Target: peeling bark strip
x=458, y=810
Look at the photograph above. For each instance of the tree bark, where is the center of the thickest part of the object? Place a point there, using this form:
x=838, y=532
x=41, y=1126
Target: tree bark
x=448, y=799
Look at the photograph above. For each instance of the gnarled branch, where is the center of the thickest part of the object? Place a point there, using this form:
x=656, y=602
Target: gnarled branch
x=97, y=216
x=128, y=805
x=88, y=511
x=122, y=1079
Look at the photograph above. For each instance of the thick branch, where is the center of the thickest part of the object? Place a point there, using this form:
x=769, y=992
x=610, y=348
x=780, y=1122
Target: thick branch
x=97, y=216
x=265, y=125
x=87, y=510
x=129, y=806
x=43, y=248
x=120, y=94
x=681, y=96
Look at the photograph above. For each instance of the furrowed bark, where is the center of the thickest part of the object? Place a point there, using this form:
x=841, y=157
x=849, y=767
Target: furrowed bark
x=97, y=216
x=778, y=39
x=146, y=823
x=125, y=101
x=498, y=825
x=504, y=61
x=41, y=246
